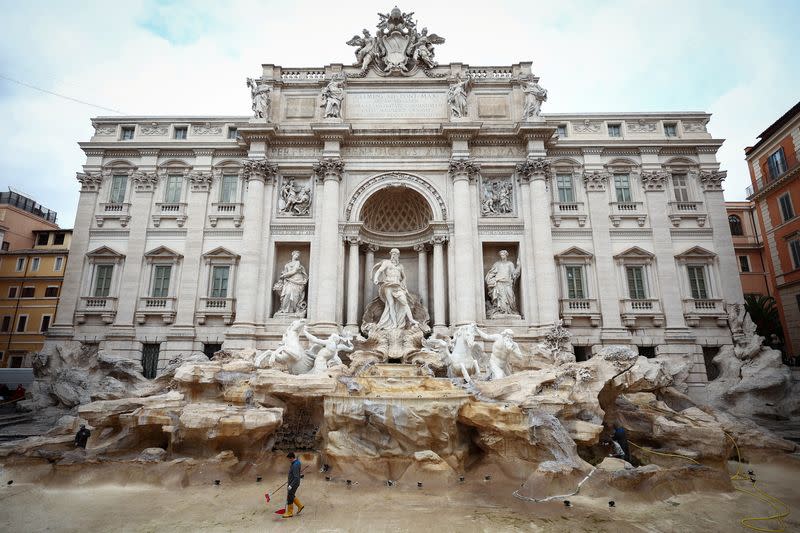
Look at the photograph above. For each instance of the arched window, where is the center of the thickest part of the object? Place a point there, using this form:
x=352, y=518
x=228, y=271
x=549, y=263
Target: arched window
x=736, y=225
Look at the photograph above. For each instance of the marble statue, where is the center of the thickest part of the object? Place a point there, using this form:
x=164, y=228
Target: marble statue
x=291, y=286
x=390, y=278
x=420, y=48
x=457, y=97
x=369, y=48
x=260, y=95
x=503, y=348
x=465, y=352
x=332, y=96
x=500, y=285
x=534, y=96
x=295, y=199
x=290, y=352
x=325, y=352
x=497, y=198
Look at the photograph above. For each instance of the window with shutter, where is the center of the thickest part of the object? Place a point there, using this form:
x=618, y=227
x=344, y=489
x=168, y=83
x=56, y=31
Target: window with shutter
x=575, y=290
x=161, y=274
x=565, y=192
x=102, y=280
x=622, y=184
x=697, y=282
x=118, y=185
x=219, y=282
x=636, y=287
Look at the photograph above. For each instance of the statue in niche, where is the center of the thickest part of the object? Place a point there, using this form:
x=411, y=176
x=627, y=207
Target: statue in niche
x=535, y=94
x=369, y=48
x=500, y=284
x=457, y=97
x=497, y=198
x=332, y=96
x=390, y=278
x=295, y=199
x=260, y=94
x=291, y=286
x=503, y=349
x=325, y=352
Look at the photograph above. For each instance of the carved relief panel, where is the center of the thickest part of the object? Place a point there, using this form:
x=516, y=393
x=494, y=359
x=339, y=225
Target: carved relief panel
x=497, y=197
x=295, y=195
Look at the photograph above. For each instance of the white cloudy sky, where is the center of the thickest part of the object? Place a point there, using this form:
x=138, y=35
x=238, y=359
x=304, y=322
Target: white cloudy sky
x=735, y=59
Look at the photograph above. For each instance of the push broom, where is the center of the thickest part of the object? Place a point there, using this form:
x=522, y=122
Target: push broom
x=266, y=494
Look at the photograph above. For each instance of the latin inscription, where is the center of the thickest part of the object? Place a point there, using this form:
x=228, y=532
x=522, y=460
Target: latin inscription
x=395, y=105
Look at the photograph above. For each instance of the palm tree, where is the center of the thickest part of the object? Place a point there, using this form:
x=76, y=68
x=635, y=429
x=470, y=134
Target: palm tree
x=764, y=313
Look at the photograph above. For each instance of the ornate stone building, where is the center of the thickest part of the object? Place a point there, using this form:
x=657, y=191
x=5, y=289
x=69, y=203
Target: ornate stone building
x=614, y=223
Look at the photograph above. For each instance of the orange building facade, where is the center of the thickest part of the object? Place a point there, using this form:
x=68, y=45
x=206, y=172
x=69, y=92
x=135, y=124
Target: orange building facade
x=774, y=166
x=748, y=244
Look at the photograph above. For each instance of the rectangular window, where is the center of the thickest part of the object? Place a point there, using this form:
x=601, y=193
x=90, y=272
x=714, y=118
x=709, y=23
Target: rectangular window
x=776, y=163
x=59, y=262
x=102, y=280
x=228, y=188
x=127, y=133
x=45, y=324
x=697, y=282
x=6, y=325
x=575, y=290
x=58, y=239
x=28, y=292
x=16, y=362
x=794, y=249
x=565, y=192
x=12, y=292
x=118, y=185
x=219, y=281
x=150, y=353
x=681, y=187
x=161, y=275
x=671, y=130
x=51, y=292
x=20, y=264
x=173, y=192
x=622, y=184
x=41, y=239
x=180, y=132
x=787, y=209
x=5, y=246
x=233, y=134
x=561, y=130
x=35, y=264
x=615, y=130
x=744, y=263
x=22, y=323
x=636, y=286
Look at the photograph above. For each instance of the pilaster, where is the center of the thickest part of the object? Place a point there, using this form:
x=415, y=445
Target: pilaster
x=711, y=183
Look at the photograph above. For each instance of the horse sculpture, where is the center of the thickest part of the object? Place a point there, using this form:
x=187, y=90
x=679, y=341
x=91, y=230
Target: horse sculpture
x=460, y=354
x=290, y=352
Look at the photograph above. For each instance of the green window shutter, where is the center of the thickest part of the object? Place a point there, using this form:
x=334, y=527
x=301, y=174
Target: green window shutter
x=161, y=277
x=102, y=286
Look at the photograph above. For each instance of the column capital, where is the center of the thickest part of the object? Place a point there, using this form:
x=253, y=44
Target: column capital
x=199, y=181
x=463, y=169
x=369, y=247
x=438, y=240
x=258, y=169
x=352, y=240
x=534, y=168
x=654, y=180
x=144, y=181
x=329, y=168
x=711, y=180
x=421, y=247
x=90, y=181
x=596, y=180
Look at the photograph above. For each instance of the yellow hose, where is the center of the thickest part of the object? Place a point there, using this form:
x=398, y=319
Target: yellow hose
x=780, y=508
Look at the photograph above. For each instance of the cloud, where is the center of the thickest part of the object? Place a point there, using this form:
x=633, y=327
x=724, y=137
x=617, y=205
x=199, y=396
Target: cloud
x=181, y=57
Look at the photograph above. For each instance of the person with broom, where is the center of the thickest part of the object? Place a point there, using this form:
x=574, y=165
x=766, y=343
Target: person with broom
x=292, y=485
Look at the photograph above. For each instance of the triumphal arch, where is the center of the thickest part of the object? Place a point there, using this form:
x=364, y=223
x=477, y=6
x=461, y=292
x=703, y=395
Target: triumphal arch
x=390, y=182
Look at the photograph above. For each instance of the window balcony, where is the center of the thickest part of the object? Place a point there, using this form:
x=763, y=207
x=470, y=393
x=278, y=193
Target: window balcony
x=580, y=308
x=627, y=210
x=568, y=210
x=226, y=211
x=221, y=307
x=103, y=306
x=632, y=310
x=170, y=211
x=113, y=211
x=152, y=306
x=696, y=309
x=687, y=210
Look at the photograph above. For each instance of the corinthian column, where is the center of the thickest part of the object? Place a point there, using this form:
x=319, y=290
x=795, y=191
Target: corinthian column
x=438, y=283
x=369, y=262
x=329, y=170
x=536, y=172
x=422, y=272
x=352, y=284
x=255, y=173
x=462, y=171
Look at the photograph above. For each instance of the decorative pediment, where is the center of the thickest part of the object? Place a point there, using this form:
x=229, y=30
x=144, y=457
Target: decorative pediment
x=104, y=252
x=634, y=252
x=162, y=252
x=574, y=252
x=221, y=253
x=696, y=252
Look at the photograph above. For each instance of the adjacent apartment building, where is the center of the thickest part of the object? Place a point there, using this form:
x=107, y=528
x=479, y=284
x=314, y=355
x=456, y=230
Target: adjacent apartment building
x=748, y=244
x=30, y=288
x=20, y=216
x=775, y=174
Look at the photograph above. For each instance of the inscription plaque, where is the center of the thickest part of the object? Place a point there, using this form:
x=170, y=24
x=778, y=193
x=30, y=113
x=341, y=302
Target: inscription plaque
x=396, y=105
x=300, y=107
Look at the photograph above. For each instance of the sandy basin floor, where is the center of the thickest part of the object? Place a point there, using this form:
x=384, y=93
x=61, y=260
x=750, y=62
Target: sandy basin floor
x=332, y=507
